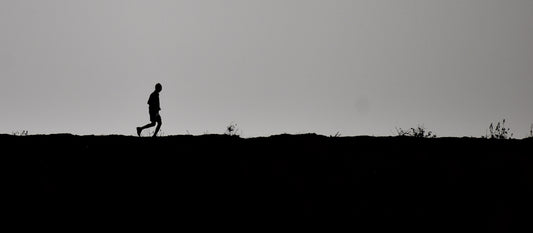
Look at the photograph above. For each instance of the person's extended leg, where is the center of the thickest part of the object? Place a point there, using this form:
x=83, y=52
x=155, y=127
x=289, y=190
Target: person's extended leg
x=148, y=125
x=158, y=127
x=140, y=129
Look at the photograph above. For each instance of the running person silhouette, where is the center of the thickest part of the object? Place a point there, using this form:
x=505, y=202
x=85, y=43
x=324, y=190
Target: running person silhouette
x=153, y=109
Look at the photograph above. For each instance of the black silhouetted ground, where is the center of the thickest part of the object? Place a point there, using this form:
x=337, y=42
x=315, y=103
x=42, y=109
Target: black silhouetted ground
x=377, y=183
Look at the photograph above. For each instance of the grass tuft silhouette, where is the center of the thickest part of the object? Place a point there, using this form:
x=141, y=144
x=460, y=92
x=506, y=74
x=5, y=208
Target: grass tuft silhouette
x=20, y=133
x=498, y=131
x=418, y=132
x=232, y=130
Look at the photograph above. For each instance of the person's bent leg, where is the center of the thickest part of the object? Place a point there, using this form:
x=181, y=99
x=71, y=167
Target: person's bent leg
x=140, y=129
x=148, y=126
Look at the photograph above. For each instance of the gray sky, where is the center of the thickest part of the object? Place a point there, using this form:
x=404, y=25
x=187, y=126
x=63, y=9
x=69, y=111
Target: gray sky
x=360, y=67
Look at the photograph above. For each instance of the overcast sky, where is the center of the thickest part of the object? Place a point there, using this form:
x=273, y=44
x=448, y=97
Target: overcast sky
x=358, y=67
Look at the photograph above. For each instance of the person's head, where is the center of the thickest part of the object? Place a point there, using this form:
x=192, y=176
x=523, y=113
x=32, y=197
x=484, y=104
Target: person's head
x=158, y=87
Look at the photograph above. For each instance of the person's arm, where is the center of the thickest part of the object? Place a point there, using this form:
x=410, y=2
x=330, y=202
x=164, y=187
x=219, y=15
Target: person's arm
x=150, y=100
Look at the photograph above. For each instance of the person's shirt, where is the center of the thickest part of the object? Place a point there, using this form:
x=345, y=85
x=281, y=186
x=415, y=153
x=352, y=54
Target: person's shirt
x=153, y=101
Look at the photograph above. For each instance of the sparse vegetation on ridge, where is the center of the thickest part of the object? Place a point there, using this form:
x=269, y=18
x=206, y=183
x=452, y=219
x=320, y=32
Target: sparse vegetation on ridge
x=232, y=130
x=498, y=131
x=418, y=132
x=20, y=133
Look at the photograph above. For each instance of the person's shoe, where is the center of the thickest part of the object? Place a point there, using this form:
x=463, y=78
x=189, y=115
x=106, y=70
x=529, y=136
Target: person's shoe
x=139, y=130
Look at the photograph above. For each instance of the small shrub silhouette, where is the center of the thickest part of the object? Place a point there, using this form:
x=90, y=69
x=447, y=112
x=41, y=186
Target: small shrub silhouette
x=418, y=132
x=530, y=132
x=232, y=130
x=20, y=133
x=499, y=131
x=338, y=134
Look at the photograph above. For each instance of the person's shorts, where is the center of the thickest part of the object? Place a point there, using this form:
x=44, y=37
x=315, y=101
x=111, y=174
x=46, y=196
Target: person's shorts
x=154, y=116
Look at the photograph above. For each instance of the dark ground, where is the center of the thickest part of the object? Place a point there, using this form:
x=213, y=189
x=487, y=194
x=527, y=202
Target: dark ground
x=372, y=183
